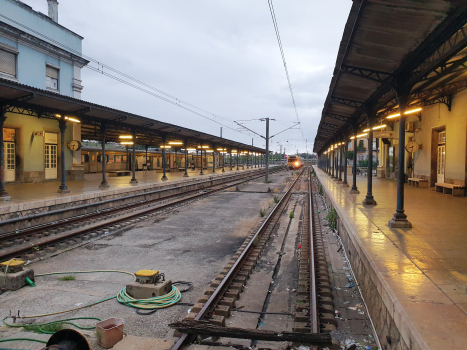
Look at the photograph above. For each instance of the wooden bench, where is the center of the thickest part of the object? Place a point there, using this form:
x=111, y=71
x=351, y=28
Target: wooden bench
x=413, y=181
x=455, y=190
x=120, y=173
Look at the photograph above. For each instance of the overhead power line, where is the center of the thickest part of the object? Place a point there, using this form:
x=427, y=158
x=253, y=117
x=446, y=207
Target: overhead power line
x=276, y=28
x=165, y=96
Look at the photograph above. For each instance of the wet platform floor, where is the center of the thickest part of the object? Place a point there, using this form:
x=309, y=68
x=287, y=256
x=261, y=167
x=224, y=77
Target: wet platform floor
x=423, y=268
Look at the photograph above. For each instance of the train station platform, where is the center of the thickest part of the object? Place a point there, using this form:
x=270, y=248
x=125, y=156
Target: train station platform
x=414, y=280
x=35, y=196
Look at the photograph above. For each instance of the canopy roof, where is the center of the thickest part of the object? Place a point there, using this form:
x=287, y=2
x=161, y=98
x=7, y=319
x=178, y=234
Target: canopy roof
x=23, y=99
x=412, y=44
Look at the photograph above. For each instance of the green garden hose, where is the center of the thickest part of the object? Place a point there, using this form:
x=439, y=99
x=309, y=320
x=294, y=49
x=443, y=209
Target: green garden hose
x=23, y=339
x=39, y=326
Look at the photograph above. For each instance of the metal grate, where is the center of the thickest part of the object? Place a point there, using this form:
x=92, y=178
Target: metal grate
x=7, y=63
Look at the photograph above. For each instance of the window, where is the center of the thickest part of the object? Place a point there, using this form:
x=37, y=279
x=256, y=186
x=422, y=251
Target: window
x=84, y=158
x=8, y=63
x=51, y=79
x=118, y=159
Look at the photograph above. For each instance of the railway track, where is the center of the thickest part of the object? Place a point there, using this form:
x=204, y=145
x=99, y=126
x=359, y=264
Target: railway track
x=47, y=237
x=208, y=315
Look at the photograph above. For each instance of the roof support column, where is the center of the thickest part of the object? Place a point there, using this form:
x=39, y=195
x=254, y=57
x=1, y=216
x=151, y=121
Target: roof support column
x=223, y=160
x=231, y=159
x=399, y=219
x=369, y=199
x=186, y=158
x=4, y=196
x=339, y=164
x=104, y=185
x=332, y=163
x=238, y=153
x=133, y=180
x=354, y=189
x=164, y=160
x=62, y=125
x=213, y=158
x=201, y=159
x=344, y=151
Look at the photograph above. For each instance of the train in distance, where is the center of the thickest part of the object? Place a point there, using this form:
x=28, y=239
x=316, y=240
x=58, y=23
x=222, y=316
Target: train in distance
x=294, y=162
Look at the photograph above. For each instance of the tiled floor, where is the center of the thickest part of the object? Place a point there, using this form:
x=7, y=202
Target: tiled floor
x=426, y=266
x=31, y=192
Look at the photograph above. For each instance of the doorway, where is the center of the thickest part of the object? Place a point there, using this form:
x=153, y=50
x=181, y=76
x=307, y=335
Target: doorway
x=441, y=163
x=438, y=155
x=50, y=161
x=9, y=161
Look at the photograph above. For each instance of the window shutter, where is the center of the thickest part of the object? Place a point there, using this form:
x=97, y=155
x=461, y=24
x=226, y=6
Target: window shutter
x=51, y=72
x=8, y=62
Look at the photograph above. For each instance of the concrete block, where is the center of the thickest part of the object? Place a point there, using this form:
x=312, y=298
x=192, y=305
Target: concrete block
x=197, y=307
x=145, y=291
x=227, y=301
x=222, y=310
x=217, y=320
x=301, y=327
x=17, y=280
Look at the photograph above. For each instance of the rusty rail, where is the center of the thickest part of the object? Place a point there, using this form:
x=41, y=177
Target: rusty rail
x=313, y=297
x=55, y=240
x=218, y=292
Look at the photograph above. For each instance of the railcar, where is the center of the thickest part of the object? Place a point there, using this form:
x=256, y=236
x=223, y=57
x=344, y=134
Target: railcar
x=294, y=162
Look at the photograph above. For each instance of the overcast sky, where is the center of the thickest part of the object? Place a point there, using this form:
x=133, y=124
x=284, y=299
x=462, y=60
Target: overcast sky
x=221, y=56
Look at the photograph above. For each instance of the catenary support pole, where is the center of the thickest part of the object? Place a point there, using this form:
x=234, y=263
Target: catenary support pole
x=266, y=177
x=62, y=125
x=164, y=160
x=201, y=159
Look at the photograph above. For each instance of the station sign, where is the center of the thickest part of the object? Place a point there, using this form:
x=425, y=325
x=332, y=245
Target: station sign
x=384, y=134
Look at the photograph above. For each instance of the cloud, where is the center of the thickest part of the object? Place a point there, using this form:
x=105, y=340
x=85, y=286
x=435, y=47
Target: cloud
x=219, y=55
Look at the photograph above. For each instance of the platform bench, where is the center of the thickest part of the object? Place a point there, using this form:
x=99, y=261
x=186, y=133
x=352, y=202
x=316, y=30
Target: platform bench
x=455, y=190
x=418, y=182
x=120, y=173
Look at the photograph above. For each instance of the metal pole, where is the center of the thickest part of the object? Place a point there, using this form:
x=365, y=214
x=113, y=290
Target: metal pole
x=223, y=161
x=339, y=167
x=237, y=157
x=104, y=183
x=369, y=199
x=354, y=189
x=201, y=158
x=346, y=146
x=266, y=177
x=186, y=158
x=230, y=159
x=399, y=219
x=213, y=161
x=4, y=196
x=133, y=180
x=164, y=161
x=62, y=125
x=332, y=164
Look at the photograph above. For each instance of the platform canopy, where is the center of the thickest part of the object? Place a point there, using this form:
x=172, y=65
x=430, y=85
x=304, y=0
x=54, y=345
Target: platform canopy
x=26, y=100
x=419, y=46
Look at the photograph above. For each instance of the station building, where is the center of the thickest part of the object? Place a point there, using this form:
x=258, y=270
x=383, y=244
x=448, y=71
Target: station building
x=44, y=120
x=35, y=50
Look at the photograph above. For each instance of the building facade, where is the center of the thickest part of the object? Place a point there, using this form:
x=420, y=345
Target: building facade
x=35, y=50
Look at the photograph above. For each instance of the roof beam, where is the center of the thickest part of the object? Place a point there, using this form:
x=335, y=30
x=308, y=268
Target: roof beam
x=369, y=74
x=337, y=117
x=346, y=102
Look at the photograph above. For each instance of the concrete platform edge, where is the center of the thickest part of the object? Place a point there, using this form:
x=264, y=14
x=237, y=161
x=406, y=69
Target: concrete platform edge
x=408, y=332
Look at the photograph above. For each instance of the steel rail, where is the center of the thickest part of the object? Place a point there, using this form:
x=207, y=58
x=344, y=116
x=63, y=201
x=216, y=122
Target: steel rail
x=211, y=303
x=313, y=298
x=84, y=206
x=85, y=216
x=55, y=240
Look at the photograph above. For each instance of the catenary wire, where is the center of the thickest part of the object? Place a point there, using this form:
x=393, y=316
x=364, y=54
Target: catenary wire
x=276, y=29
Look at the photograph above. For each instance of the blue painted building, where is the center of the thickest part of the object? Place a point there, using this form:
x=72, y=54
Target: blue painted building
x=37, y=51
